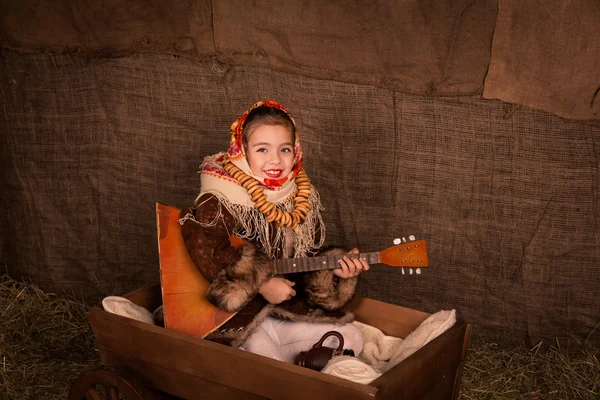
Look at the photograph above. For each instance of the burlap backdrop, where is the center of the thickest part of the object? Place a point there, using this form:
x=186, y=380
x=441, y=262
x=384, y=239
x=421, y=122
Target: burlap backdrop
x=542, y=54
x=508, y=201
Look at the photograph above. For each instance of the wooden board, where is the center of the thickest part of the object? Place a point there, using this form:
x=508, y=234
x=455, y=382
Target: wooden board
x=183, y=287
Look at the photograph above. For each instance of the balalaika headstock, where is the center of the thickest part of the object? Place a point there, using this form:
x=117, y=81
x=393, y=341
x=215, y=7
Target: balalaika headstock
x=411, y=254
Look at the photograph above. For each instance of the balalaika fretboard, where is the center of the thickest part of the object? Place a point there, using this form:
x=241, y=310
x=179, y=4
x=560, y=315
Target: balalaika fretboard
x=291, y=265
x=411, y=254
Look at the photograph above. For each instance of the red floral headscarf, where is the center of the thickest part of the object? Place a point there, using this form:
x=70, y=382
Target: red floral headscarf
x=238, y=156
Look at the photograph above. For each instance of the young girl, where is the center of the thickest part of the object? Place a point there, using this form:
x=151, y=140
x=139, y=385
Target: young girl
x=258, y=192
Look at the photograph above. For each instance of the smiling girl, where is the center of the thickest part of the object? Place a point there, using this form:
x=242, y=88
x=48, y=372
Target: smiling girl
x=258, y=192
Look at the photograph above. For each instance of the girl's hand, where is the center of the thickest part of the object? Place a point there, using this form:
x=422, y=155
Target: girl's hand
x=351, y=266
x=277, y=290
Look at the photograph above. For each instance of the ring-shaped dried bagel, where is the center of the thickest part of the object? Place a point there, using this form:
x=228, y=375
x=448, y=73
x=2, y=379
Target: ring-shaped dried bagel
x=305, y=205
x=287, y=218
x=258, y=204
x=229, y=165
x=237, y=175
x=303, y=208
x=279, y=214
x=251, y=184
x=295, y=218
x=302, y=189
x=254, y=189
x=267, y=207
x=301, y=179
x=282, y=221
x=273, y=213
x=244, y=178
x=300, y=200
x=271, y=216
x=258, y=195
x=302, y=211
x=230, y=170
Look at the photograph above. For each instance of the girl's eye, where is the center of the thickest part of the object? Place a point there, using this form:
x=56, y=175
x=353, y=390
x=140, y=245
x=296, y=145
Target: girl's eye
x=286, y=150
x=261, y=150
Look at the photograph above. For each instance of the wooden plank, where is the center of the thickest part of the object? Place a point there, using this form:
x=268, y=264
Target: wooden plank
x=175, y=383
x=463, y=360
x=439, y=390
x=148, y=297
x=434, y=363
x=392, y=320
x=217, y=363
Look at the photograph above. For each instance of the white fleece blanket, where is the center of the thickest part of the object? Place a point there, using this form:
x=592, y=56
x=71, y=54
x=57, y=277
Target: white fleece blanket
x=381, y=353
x=126, y=308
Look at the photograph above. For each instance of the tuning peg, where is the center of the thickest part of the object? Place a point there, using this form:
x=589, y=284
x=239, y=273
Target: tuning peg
x=397, y=241
x=412, y=238
x=418, y=271
x=410, y=271
x=402, y=270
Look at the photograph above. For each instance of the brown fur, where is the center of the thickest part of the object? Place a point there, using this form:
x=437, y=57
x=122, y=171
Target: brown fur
x=237, y=284
x=326, y=290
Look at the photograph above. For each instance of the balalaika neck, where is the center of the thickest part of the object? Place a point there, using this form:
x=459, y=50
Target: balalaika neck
x=291, y=265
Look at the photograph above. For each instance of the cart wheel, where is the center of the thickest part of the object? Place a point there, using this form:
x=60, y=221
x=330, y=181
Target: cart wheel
x=108, y=384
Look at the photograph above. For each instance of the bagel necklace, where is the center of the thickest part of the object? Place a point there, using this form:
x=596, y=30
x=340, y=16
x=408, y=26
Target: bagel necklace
x=272, y=213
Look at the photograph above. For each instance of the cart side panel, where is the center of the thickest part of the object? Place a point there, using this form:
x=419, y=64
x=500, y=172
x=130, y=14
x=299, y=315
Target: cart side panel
x=429, y=373
x=190, y=356
x=174, y=382
x=463, y=360
x=149, y=297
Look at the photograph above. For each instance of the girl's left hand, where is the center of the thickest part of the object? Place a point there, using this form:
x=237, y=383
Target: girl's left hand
x=351, y=266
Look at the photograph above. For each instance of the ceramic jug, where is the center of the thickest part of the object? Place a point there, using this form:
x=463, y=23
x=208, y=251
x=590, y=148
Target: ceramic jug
x=318, y=356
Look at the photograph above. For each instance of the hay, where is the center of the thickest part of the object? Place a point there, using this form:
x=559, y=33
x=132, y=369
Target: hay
x=46, y=342
x=494, y=372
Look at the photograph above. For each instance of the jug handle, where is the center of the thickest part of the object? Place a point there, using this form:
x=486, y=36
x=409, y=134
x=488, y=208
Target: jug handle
x=331, y=333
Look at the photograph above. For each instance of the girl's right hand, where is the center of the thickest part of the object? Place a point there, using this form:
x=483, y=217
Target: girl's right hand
x=277, y=290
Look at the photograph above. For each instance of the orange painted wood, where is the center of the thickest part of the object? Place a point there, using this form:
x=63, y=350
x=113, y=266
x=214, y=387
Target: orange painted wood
x=184, y=288
x=413, y=254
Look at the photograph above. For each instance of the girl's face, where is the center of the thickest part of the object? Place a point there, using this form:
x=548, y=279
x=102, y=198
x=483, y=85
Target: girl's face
x=270, y=151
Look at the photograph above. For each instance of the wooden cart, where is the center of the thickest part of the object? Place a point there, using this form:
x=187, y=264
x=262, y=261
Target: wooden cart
x=144, y=361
